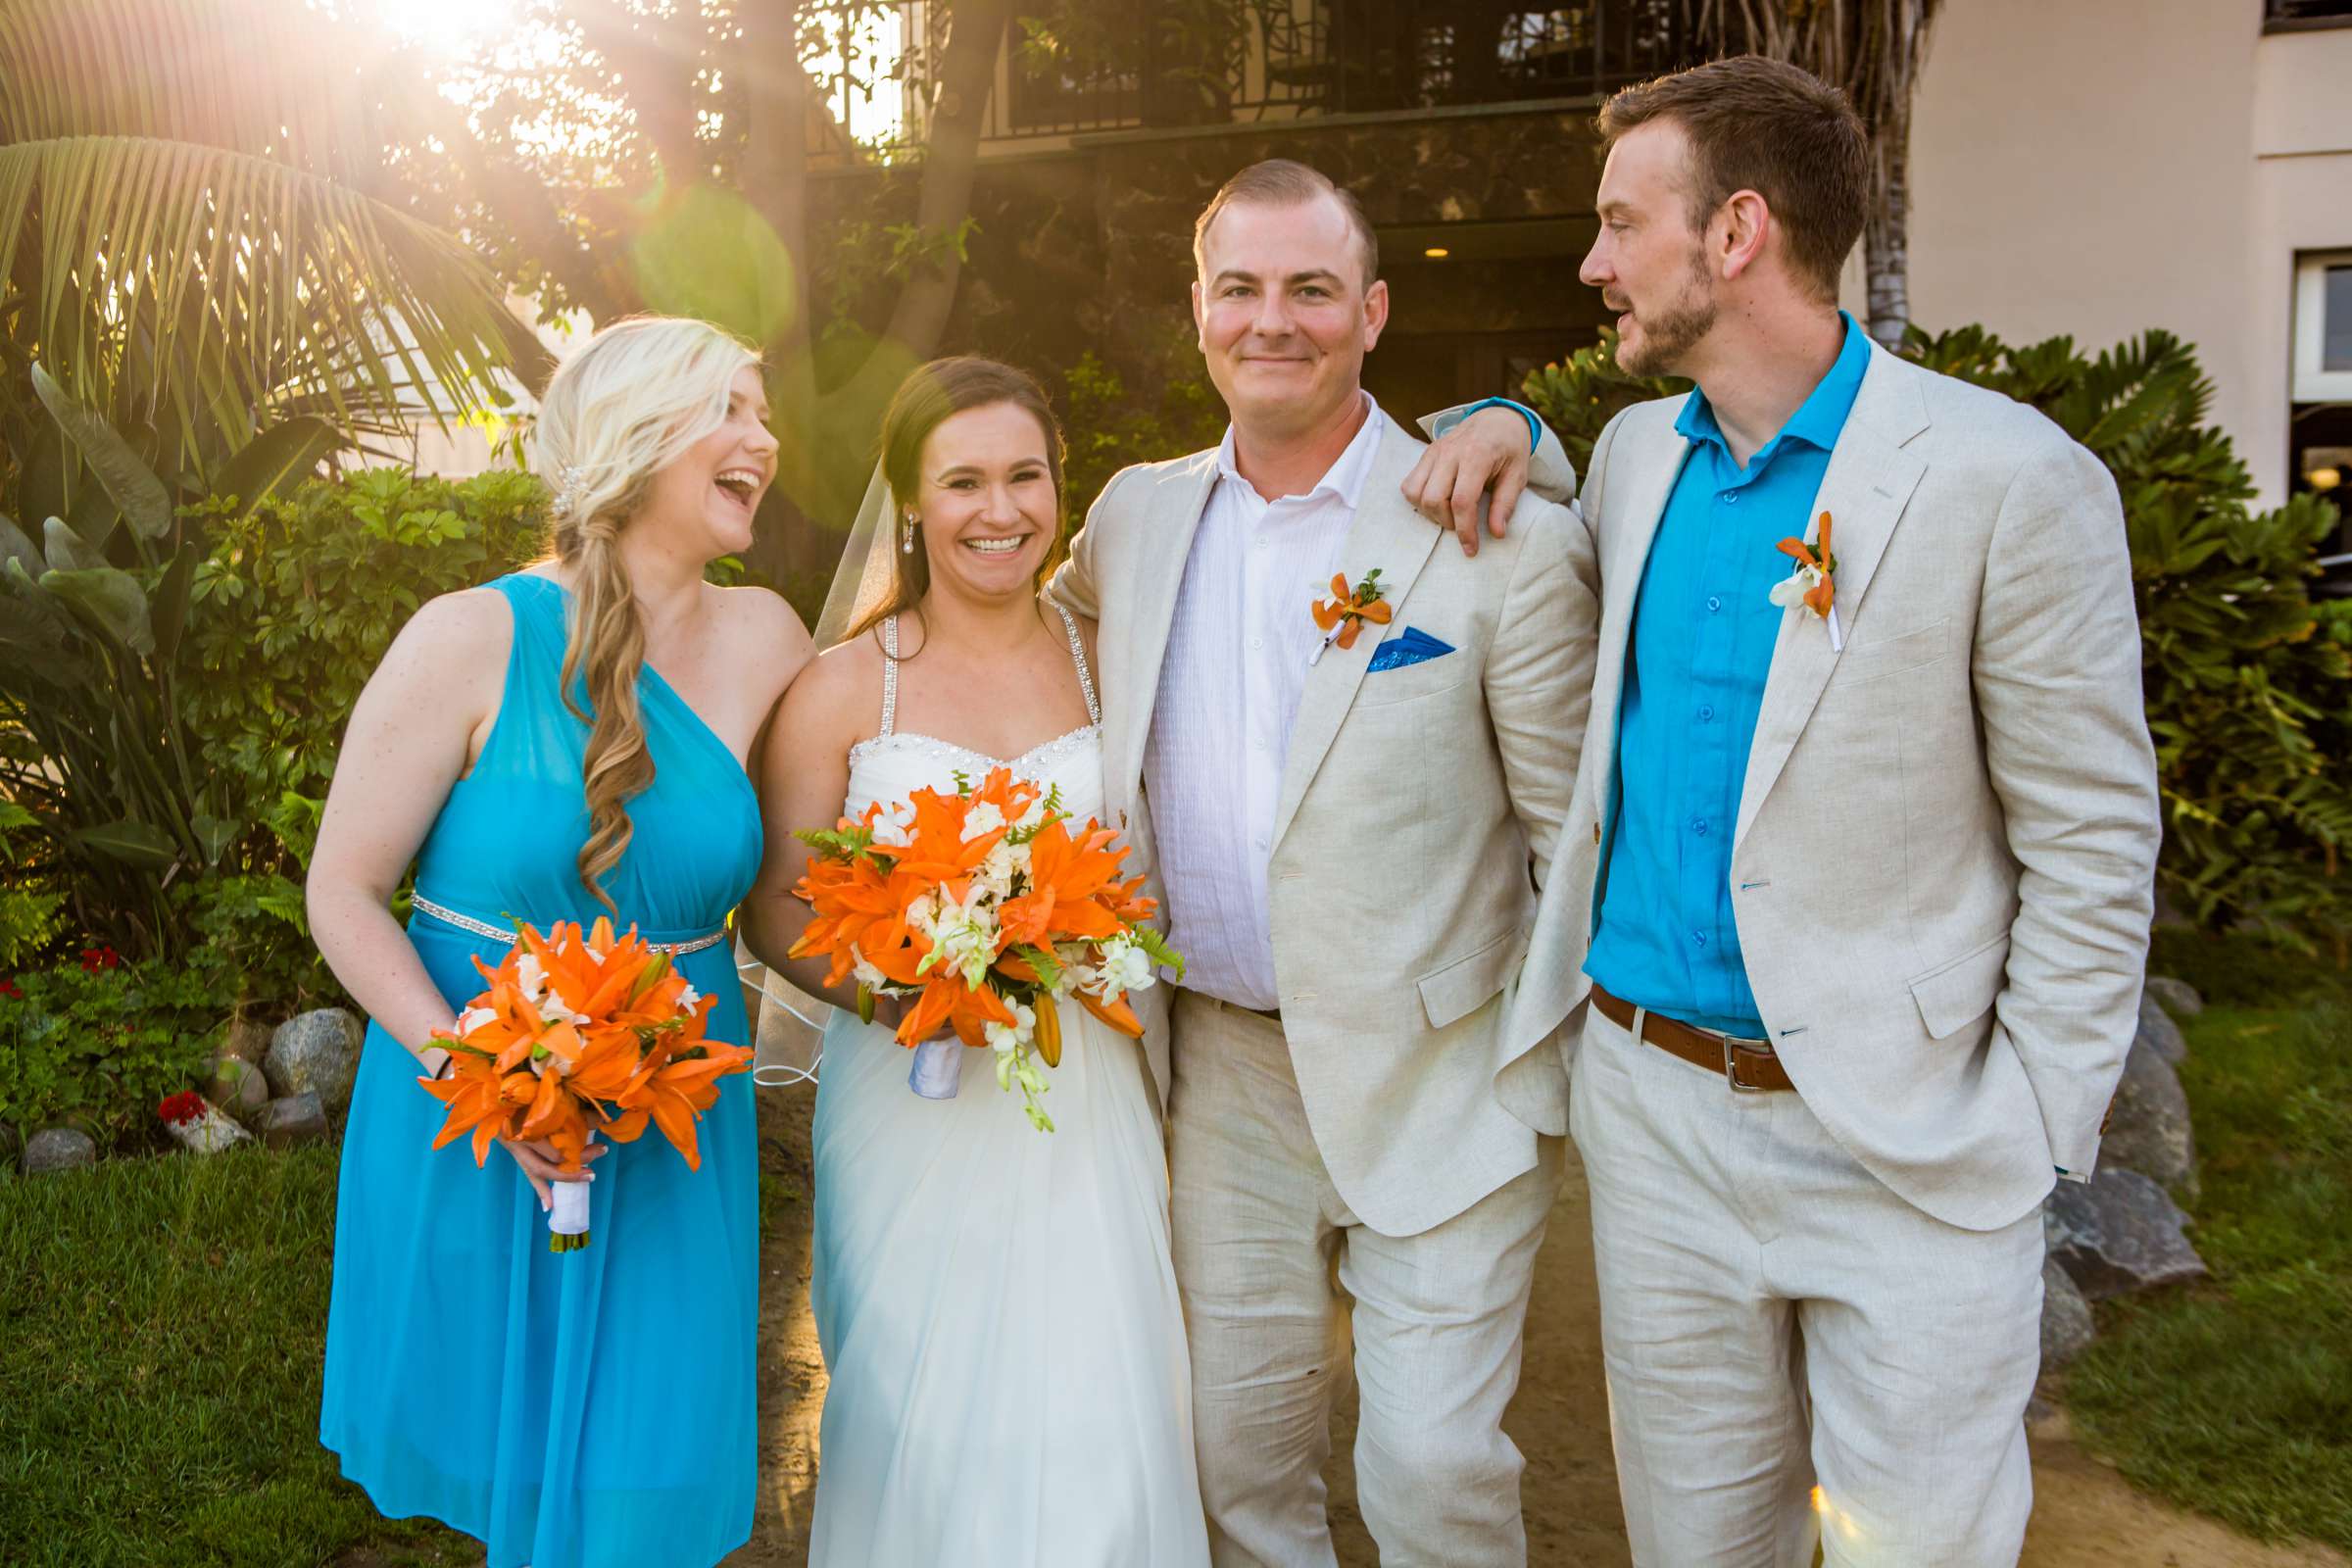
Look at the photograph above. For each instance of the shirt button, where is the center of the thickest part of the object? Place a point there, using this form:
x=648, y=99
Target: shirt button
x=1698, y=825
x=1258, y=642
x=1714, y=604
x=1706, y=715
x=1698, y=939
x=1731, y=500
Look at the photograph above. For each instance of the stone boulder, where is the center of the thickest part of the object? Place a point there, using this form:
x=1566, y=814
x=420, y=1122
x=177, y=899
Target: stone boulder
x=2177, y=996
x=208, y=1133
x=236, y=1085
x=247, y=1040
x=2149, y=1131
x=54, y=1149
x=2158, y=1033
x=293, y=1119
x=2119, y=1233
x=2066, y=1323
x=316, y=1053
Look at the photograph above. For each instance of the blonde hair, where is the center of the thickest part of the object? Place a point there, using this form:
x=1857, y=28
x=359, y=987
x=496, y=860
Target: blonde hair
x=626, y=405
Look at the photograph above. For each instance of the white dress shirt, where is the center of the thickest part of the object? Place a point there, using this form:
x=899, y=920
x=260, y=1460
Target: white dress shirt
x=1238, y=652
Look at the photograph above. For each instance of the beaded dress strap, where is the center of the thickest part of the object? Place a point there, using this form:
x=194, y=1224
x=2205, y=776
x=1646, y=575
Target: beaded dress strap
x=1086, y=676
x=890, y=673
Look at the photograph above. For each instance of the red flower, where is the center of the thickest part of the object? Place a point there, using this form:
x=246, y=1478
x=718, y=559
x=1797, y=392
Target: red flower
x=181, y=1109
x=8, y=988
x=94, y=959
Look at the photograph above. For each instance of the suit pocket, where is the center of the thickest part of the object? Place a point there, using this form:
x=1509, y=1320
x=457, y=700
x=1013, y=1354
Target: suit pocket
x=1423, y=678
x=1461, y=986
x=1875, y=661
x=1957, y=993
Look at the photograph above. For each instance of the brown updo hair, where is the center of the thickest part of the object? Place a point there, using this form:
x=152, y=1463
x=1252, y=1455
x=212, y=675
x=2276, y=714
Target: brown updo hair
x=622, y=407
x=928, y=398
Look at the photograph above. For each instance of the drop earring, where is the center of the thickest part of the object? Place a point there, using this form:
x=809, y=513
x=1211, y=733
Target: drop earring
x=906, y=536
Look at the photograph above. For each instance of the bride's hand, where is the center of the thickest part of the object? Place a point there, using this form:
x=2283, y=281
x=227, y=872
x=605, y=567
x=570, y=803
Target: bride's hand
x=542, y=1165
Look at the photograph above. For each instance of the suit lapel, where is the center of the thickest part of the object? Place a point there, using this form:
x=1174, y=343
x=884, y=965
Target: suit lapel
x=1176, y=506
x=1865, y=489
x=1649, y=475
x=1391, y=536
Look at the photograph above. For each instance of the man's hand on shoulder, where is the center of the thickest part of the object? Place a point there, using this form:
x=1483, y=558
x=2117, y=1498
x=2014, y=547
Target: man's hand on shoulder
x=1487, y=451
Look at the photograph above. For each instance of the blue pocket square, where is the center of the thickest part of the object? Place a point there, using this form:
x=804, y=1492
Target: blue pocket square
x=1410, y=646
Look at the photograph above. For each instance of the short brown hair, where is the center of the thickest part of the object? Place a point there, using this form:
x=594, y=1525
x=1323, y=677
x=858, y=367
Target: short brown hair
x=929, y=396
x=1284, y=183
x=1771, y=128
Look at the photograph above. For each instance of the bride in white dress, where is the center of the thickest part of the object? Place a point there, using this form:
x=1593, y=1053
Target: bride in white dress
x=997, y=1305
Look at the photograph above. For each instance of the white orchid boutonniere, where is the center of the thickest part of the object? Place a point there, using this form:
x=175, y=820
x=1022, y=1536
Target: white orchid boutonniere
x=1812, y=583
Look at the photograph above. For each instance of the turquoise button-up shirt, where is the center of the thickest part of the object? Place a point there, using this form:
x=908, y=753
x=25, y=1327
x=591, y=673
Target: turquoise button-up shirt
x=1702, y=639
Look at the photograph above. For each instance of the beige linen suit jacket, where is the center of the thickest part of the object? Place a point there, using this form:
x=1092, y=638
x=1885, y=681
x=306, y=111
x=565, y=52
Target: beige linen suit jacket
x=1943, y=862
x=1413, y=804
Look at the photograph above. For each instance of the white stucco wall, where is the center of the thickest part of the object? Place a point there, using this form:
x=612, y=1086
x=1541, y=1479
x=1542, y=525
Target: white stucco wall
x=2101, y=167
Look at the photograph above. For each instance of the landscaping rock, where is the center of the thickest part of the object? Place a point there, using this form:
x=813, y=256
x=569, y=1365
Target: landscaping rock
x=2178, y=997
x=236, y=1085
x=2159, y=1033
x=2119, y=1233
x=248, y=1039
x=2066, y=1323
x=294, y=1119
x=2150, y=1132
x=58, y=1149
x=316, y=1053
x=208, y=1133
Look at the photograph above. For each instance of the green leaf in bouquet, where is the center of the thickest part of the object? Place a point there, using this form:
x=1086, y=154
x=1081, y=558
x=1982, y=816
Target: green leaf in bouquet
x=1048, y=971
x=865, y=1003
x=1156, y=948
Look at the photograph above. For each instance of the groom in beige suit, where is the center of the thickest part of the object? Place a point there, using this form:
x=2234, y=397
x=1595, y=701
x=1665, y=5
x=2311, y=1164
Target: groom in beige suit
x=1847, y=921
x=1350, y=825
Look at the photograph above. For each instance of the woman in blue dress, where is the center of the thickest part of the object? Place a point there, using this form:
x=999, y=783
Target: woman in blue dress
x=563, y=743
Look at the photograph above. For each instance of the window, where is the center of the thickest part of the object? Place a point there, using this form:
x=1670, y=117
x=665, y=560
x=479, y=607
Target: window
x=2322, y=372
x=2288, y=16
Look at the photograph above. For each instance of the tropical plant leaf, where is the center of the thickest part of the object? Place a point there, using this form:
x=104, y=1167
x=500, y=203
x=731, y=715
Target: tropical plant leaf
x=168, y=605
x=127, y=481
x=214, y=836
x=282, y=456
x=14, y=546
x=111, y=599
x=132, y=842
x=67, y=549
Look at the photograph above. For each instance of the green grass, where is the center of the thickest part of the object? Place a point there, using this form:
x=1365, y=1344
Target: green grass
x=2234, y=1397
x=161, y=1327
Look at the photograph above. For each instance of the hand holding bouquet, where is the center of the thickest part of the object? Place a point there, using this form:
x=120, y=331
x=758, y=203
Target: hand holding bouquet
x=580, y=1034
x=984, y=909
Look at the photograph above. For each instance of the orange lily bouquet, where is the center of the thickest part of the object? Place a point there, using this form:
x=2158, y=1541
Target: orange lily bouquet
x=580, y=1032
x=986, y=910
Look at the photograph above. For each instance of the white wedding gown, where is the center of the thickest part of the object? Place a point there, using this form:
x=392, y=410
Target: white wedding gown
x=1010, y=1382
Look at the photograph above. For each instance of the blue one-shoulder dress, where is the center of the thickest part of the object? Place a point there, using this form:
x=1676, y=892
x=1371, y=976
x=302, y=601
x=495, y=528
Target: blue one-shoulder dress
x=575, y=1409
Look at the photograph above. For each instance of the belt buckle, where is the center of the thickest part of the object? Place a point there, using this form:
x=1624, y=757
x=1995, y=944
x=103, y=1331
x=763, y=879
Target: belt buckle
x=1731, y=1061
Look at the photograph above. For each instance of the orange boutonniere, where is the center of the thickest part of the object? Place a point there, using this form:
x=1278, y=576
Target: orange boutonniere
x=1343, y=616
x=1813, y=581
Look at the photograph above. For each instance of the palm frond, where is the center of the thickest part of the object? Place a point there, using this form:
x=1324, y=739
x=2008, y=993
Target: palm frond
x=170, y=283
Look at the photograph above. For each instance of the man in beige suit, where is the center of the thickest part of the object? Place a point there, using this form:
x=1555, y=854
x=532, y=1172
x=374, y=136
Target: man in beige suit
x=1847, y=922
x=1349, y=818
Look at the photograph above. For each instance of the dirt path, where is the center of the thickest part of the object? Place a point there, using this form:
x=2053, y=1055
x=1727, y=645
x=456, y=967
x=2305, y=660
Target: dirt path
x=2086, y=1516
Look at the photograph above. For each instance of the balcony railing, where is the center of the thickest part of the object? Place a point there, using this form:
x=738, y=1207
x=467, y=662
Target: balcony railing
x=1269, y=60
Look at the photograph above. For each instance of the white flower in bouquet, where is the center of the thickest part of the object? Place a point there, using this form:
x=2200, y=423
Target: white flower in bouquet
x=1001, y=866
x=1011, y=1037
x=895, y=823
x=963, y=937
x=1125, y=966
x=983, y=817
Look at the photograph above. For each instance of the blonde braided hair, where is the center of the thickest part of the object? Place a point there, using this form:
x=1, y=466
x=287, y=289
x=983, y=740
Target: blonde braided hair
x=626, y=405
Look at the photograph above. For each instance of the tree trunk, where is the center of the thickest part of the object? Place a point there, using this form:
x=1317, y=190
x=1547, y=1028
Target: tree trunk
x=1887, y=235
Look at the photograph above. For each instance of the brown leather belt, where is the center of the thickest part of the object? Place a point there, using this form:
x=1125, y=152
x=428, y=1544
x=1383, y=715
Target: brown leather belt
x=1749, y=1065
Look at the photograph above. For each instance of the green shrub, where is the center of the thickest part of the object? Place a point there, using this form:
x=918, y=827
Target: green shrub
x=1109, y=429
x=2248, y=682
x=97, y=1044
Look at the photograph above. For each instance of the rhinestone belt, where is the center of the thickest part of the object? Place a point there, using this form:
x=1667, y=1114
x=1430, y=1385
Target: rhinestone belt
x=483, y=928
